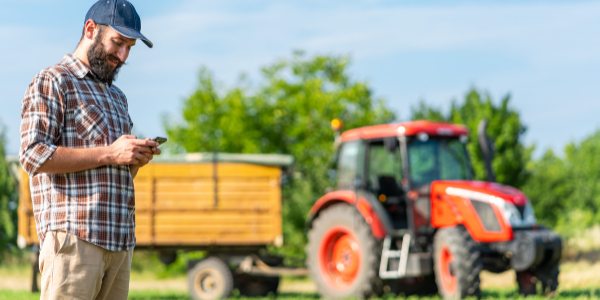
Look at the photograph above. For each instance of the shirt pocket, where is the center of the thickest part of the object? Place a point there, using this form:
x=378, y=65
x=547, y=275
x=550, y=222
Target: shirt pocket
x=90, y=123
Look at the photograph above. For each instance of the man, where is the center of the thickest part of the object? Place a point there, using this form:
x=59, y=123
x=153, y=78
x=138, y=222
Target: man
x=81, y=159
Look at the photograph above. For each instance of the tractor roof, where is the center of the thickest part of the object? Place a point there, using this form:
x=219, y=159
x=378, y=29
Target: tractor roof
x=410, y=128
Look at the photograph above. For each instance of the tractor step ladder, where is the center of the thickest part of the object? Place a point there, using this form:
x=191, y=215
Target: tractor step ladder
x=387, y=253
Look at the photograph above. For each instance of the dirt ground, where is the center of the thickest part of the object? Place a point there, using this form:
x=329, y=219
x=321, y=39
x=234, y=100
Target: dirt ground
x=573, y=275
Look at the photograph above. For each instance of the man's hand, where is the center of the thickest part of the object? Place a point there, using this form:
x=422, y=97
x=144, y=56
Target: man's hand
x=133, y=168
x=148, y=155
x=128, y=150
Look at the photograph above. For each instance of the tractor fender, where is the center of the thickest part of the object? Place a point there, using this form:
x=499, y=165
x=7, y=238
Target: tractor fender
x=376, y=220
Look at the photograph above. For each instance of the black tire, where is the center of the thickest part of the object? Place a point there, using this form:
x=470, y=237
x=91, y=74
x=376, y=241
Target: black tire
x=549, y=278
x=527, y=283
x=545, y=278
x=210, y=279
x=256, y=286
x=464, y=267
x=417, y=286
x=366, y=282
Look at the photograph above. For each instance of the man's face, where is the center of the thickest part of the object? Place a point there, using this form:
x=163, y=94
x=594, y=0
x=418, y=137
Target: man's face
x=108, y=53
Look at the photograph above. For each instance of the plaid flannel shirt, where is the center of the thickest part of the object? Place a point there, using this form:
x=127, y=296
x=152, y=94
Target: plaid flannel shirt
x=66, y=106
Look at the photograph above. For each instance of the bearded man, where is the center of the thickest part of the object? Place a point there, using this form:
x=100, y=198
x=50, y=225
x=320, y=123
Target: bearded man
x=81, y=160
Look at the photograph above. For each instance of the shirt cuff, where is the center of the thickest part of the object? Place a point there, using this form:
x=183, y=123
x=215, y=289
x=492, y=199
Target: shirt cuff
x=36, y=157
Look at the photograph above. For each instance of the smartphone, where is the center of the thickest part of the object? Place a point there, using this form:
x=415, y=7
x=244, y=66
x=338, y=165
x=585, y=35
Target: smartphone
x=160, y=140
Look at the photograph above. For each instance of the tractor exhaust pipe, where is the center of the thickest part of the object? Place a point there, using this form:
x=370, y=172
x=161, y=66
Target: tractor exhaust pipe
x=487, y=149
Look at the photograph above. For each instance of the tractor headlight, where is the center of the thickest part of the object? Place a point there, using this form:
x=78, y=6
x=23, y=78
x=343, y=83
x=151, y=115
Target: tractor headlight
x=529, y=214
x=512, y=215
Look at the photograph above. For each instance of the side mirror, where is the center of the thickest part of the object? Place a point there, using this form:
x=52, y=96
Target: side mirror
x=487, y=148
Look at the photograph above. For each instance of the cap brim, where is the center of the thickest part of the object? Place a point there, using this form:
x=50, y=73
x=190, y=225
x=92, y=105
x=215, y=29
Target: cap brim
x=132, y=34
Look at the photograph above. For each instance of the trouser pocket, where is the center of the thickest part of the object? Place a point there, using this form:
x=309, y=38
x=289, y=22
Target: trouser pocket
x=60, y=239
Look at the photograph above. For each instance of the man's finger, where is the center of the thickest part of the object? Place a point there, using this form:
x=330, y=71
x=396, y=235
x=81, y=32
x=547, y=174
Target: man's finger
x=156, y=151
x=140, y=157
x=128, y=137
x=142, y=149
x=148, y=143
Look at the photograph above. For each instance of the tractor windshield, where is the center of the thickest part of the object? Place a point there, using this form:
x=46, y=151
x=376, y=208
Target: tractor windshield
x=437, y=158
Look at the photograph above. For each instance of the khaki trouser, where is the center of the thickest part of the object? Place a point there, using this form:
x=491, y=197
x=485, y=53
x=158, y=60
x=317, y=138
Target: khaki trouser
x=74, y=269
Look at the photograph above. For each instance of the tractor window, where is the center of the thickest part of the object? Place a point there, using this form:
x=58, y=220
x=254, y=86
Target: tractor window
x=385, y=167
x=348, y=164
x=438, y=159
x=453, y=161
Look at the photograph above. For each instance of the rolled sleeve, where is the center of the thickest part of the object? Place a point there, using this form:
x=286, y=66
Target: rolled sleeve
x=41, y=119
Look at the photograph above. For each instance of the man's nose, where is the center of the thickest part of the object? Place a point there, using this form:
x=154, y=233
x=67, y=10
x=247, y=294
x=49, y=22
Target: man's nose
x=122, y=54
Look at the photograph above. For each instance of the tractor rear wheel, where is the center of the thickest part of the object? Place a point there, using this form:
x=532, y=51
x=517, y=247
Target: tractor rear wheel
x=343, y=255
x=457, y=263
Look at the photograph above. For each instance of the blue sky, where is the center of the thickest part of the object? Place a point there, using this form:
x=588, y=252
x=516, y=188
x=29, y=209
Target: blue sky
x=546, y=54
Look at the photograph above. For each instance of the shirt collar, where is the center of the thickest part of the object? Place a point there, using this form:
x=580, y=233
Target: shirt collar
x=76, y=66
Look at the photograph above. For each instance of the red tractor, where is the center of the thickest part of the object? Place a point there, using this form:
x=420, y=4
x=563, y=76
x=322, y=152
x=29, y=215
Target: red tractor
x=408, y=218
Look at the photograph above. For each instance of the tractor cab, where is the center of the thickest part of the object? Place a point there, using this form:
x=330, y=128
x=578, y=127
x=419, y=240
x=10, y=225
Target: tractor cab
x=399, y=162
x=407, y=217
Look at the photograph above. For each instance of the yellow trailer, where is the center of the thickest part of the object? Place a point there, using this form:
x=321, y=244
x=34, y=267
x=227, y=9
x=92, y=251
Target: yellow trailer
x=226, y=204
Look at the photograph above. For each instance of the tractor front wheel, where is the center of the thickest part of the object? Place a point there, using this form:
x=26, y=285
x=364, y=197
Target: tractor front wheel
x=343, y=255
x=457, y=263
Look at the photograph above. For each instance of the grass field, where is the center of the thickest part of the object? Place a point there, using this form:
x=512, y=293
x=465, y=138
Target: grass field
x=578, y=280
x=172, y=295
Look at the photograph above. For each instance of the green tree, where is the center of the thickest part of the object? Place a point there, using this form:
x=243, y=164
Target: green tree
x=566, y=191
x=504, y=128
x=288, y=112
x=8, y=200
x=548, y=188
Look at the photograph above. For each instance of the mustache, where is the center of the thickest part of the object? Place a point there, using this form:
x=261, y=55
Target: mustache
x=119, y=62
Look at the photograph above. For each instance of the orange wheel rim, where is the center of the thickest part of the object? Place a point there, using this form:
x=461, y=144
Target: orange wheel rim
x=340, y=257
x=449, y=280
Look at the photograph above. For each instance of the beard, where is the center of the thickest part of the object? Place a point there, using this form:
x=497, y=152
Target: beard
x=98, y=59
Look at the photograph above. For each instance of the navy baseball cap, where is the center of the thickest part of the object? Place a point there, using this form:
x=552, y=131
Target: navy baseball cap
x=121, y=16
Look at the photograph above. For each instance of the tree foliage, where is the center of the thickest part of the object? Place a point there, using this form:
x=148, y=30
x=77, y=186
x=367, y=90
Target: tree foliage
x=566, y=191
x=505, y=128
x=8, y=201
x=288, y=112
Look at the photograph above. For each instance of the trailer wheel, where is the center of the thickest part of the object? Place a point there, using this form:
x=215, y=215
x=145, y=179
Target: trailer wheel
x=343, y=255
x=457, y=263
x=210, y=279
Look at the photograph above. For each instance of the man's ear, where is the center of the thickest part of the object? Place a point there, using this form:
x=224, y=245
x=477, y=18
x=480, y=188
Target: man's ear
x=90, y=30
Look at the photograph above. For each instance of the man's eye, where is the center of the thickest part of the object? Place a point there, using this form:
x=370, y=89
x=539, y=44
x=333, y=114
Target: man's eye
x=117, y=42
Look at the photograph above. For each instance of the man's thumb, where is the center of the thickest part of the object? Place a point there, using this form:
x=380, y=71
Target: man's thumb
x=129, y=137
